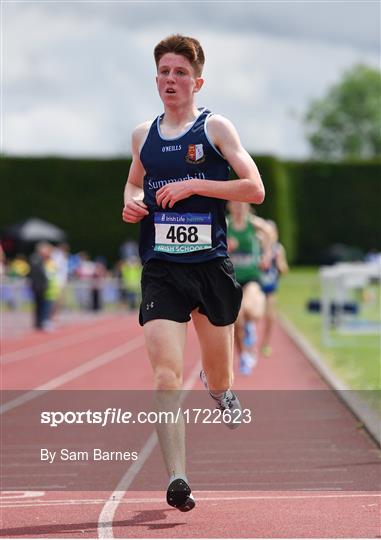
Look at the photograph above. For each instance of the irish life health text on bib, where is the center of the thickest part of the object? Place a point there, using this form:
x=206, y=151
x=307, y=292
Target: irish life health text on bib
x=182, y=233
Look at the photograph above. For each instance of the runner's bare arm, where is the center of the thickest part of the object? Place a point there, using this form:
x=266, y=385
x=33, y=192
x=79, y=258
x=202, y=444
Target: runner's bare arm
x=134, y=208
x=265, y=236
x=260, y=224
x=248, y=187
x=281, y=260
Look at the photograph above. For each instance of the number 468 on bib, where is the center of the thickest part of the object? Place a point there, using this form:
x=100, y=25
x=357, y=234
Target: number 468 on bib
x=182, y=233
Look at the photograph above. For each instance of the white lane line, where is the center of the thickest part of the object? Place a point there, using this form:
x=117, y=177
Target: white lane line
x=281, y=484
x=108, y=511
x=198, y=494
x=39, y=475
x=48, y=487
x=86, y=367
x=15, y=495
x=282, y=470
x=53, y=345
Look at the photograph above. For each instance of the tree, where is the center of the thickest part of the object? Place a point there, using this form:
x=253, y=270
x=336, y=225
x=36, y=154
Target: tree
x=346, y=122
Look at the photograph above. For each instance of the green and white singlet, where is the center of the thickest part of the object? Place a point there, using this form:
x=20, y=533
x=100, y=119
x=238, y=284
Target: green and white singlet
x=246, y=255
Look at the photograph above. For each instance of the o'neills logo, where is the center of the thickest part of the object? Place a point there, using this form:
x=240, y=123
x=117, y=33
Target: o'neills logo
x=195, y=153
x=172, y=148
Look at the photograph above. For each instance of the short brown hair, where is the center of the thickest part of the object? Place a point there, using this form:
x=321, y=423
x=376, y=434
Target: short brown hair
x=186, y=46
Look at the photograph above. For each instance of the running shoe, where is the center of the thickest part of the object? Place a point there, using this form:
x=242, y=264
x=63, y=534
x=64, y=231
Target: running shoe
x=228, y=403
x=179, y=495
x=246, y=363
x=250, y=334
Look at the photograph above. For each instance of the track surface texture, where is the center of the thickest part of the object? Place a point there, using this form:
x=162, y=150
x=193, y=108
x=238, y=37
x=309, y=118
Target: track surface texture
x=244, y=488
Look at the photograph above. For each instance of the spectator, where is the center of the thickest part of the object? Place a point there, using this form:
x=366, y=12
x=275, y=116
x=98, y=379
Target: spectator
x=60, y=256
x=129, y=272
x=2, y=261
x=99, y=273
x=129, y=249
x=39, y=283
x=52, y=291
x=84, y=272
x=19, y=267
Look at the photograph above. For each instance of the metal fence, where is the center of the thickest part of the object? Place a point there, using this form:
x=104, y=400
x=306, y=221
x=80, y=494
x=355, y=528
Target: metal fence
x=350, y=302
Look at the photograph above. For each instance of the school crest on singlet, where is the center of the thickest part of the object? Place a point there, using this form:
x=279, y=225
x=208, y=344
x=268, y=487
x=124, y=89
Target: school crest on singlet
x=195, y=153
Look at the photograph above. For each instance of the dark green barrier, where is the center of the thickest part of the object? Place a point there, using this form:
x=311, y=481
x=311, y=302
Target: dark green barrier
x=314, y=204
x=335, y=203
x=83, y=197
x=278, y=204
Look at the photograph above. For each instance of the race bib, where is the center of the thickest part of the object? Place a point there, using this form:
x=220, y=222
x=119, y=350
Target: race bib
x=182, y=233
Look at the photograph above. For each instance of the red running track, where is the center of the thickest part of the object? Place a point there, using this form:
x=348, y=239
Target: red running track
x=279, y=479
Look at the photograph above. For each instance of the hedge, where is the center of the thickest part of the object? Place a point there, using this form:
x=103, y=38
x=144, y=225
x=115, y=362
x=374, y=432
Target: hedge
x=83, y=197
x=314, y=204
x=335, y=203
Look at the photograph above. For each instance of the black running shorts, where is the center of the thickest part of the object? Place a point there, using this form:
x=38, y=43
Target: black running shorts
x=173, y=290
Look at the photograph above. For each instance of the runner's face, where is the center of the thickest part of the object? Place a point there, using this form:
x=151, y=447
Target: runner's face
x=176, y=80
x=238, y=210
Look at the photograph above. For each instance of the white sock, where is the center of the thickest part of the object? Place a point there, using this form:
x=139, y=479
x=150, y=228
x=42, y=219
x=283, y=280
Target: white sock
x=219, y=395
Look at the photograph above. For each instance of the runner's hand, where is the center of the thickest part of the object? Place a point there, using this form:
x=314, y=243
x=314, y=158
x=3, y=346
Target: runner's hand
x=134, y=211
x=172, y=193
x=265, y=261
x=232, y=244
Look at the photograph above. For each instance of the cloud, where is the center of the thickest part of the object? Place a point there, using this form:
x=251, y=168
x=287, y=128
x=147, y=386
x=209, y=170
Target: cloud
x=61, y=127
x=354, y=23
x=79, y=76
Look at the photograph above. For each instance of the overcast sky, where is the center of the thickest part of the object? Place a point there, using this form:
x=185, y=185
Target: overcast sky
x=78, y=76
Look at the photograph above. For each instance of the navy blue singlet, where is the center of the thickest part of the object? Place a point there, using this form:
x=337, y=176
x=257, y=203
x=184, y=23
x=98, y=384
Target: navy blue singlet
x=194, y=230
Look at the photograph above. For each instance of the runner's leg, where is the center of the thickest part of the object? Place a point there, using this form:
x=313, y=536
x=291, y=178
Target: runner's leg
x=239, y=332
x=269, y=322
x=165, y=341
x=253, y=302
x=252, y=309
x=216, y=344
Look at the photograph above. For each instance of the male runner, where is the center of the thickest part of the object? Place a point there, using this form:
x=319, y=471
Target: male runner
x=249, y=243
x=177, y=189
x=270, y=284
